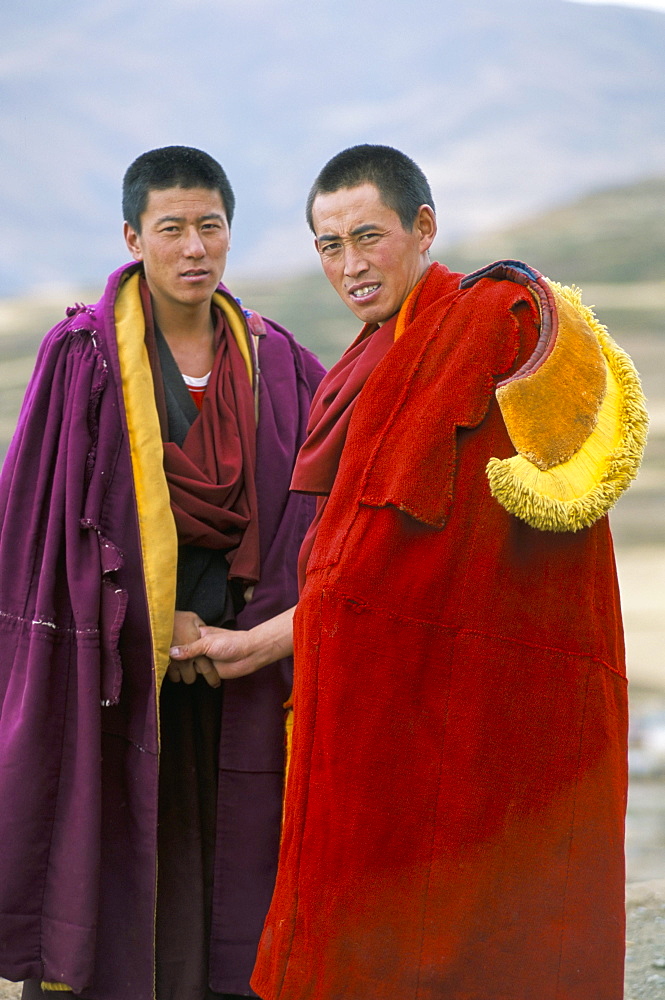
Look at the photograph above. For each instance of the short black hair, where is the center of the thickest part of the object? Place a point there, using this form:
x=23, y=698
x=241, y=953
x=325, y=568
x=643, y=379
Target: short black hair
x=400, y=182
x=172, y=166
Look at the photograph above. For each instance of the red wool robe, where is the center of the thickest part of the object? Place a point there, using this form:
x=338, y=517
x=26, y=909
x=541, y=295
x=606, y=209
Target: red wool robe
x=456, y=799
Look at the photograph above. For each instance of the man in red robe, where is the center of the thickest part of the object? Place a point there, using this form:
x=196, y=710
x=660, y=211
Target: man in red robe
x=457, y=784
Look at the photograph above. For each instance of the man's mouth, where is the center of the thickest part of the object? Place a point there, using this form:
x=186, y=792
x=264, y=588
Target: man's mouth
x=194, y=273
x=363, y=292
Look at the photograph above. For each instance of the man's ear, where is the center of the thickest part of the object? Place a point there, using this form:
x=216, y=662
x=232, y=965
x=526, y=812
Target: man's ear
x=426, y=225
x=133, y=241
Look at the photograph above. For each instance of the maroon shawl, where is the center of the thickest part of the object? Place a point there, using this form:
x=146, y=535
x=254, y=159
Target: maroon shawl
x=332, y=409
x=211, y=477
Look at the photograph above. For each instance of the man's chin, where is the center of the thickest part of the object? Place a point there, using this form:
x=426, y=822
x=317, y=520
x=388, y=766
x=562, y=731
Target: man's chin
x=372, y=316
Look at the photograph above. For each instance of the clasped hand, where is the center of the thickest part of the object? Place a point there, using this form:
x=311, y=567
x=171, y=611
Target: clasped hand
x=187, y=628
x=231, y=653
x=234, y=654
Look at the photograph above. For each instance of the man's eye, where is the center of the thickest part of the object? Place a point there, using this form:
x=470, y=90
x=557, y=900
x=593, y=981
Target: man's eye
x=211, y=226
x=368, y=237
x=330, y=249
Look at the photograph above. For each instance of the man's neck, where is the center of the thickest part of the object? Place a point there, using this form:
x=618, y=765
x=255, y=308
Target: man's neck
x=184, y=322
x=190, y=334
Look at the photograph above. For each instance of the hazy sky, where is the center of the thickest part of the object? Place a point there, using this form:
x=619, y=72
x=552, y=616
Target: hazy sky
x=650, y=4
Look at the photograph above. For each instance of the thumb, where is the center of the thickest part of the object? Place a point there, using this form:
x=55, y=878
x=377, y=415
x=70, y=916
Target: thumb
x=187, y=652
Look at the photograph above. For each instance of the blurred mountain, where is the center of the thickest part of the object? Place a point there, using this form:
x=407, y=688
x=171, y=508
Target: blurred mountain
x=510, y=108
x=612, y=235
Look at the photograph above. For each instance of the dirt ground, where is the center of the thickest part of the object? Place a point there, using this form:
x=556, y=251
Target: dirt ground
x=645, y=940
x=645, y=847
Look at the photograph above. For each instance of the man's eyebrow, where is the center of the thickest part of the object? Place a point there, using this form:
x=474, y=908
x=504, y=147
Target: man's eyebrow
x=369, y=227
x=181, y=218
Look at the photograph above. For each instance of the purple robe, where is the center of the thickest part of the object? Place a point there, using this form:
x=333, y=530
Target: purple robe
x=79, y=745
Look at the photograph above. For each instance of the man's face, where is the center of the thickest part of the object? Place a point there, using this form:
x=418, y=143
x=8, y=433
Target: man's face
x=183, y=244
x=371, y=261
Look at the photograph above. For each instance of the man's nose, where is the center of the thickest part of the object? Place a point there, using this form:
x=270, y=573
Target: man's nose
x=194, y=246
x=355, y=262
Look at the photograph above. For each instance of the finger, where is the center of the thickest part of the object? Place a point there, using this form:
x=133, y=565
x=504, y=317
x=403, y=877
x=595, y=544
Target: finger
x=173, y=672
x=187, y=671
x=206, y=668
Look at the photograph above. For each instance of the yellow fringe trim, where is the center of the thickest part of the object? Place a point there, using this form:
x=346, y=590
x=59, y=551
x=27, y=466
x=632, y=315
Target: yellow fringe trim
x=60, y=987
x=571, y=496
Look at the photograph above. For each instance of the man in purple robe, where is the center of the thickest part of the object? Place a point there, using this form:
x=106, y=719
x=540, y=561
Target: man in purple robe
x=145, y=493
